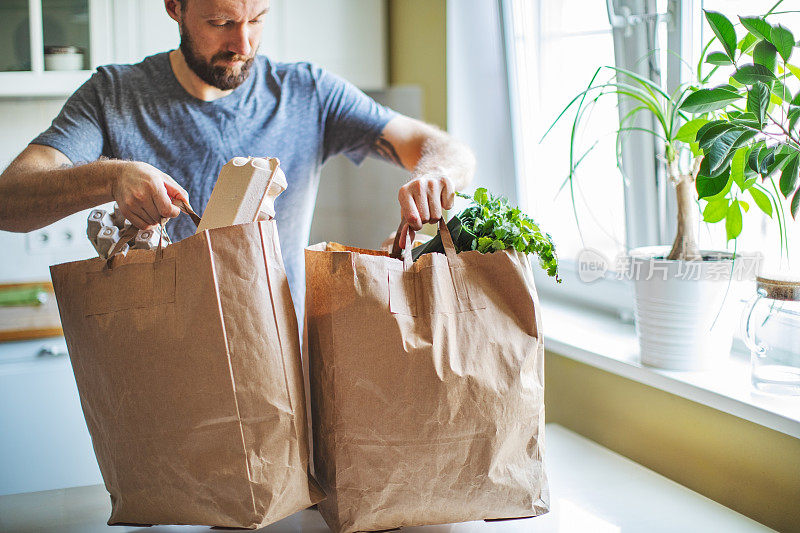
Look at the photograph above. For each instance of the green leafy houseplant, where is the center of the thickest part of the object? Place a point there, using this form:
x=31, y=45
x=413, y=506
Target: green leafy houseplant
x=489, y=224
x=717, y=141
x=650, y=104
x=715, y=144
x=747, y=129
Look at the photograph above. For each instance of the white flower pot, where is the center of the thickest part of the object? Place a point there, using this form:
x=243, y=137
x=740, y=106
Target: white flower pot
x=685, y=310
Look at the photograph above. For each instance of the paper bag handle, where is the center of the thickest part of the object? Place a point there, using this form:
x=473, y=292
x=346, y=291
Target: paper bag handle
x=184, y=206
x=456, y=276
x=130, y=232
x=405, y=253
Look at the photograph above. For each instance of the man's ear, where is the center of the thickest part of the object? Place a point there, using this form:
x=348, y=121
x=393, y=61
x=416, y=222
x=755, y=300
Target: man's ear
x=174, y=8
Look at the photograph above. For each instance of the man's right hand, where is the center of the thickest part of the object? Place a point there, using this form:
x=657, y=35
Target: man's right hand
x=145, y=194
x=42, y=186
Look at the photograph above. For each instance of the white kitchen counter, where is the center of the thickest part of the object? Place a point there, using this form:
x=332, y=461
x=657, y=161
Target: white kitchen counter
x=592, y=490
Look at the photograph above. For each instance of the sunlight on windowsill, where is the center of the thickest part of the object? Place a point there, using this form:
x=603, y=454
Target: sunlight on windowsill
x=603, y=341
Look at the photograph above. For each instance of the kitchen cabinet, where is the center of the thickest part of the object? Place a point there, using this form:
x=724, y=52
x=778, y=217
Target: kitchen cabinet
x=71, y=30
x=44, y=443
x=347, y=37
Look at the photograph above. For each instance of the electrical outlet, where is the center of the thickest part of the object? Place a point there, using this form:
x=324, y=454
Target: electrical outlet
x=65, y=236
x=51, y=239
x=38, y=241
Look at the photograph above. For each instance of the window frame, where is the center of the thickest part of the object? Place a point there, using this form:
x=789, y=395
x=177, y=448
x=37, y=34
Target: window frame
x=650, y=207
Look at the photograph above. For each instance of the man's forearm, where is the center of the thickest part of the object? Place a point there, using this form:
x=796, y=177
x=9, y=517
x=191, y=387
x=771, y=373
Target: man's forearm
x=34, y=194
x=425, y=151
x=443, y=155
x=439, y=167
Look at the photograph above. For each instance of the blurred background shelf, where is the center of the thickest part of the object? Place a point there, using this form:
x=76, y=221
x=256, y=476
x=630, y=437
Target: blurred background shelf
x=41, y=84
x=49, y=47
x=30, y=321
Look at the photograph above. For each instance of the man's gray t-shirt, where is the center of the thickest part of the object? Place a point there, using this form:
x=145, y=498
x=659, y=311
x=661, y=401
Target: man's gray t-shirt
x=296, y=112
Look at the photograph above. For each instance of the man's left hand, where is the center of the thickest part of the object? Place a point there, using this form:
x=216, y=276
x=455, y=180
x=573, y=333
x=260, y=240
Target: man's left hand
x=424, y=199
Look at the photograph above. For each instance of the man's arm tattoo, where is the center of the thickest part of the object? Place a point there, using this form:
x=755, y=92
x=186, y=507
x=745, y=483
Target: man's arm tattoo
x=383, y=149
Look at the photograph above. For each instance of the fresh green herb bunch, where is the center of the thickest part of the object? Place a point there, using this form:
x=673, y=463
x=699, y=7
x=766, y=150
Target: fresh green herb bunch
x=491, y=224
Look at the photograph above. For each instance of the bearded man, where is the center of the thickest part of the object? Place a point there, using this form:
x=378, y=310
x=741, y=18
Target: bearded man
x=147, y=134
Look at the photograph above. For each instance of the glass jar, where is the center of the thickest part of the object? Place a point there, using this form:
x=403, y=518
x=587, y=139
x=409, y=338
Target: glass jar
x=771, y=329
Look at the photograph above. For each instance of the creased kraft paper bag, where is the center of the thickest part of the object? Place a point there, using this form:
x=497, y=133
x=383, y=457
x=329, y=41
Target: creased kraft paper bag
x=427, y=384
x=188, y=366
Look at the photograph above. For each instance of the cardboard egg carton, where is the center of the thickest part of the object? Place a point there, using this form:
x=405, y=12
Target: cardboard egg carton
x=105, y=228
x=245, y=192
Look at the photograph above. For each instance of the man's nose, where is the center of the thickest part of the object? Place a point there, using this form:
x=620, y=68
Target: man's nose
x=240, y=41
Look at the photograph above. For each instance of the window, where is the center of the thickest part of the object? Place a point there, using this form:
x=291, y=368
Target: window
x=553, y=50
x=556, y=48
x=557, y=56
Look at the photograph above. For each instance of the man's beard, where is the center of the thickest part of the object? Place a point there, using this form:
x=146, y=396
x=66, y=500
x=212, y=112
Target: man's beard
x=224, y=78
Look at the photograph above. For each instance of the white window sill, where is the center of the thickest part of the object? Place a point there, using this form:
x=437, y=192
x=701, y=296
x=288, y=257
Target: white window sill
x=603, y=341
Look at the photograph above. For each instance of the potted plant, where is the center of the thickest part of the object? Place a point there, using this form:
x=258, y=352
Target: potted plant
x=749, y=133
x=748, y=128
x=680, y=290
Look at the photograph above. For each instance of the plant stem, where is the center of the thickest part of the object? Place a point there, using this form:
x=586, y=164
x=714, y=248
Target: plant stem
x=773, y=8
x=685, y=246
x=785, y=131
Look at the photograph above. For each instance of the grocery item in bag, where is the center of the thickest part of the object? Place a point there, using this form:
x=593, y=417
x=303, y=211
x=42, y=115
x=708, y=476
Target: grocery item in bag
x=427, y=383
x=187, y=362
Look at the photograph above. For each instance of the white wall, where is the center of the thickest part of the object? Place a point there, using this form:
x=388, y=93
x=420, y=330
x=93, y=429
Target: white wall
x=477, y=92
x=24, y=257
x=358, y=206
x=21, y=120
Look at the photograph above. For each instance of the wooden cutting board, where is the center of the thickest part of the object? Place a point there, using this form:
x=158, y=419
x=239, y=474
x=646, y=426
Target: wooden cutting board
x=26, y=322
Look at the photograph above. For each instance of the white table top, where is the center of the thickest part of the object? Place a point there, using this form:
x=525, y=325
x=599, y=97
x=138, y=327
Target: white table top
x=591, y=490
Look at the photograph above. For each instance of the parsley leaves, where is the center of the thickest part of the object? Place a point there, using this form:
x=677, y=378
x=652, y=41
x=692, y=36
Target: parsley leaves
x=488, y=224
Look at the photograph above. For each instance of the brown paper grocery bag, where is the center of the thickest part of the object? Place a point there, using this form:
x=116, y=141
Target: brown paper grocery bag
x=427, y=384
x=187, y=361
